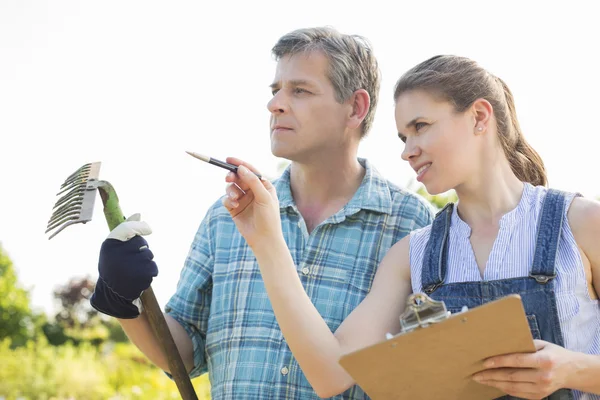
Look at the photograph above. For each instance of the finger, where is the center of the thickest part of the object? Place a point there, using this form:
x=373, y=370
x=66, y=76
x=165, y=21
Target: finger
x=232, y=177
x=230, y=204
x=522, y=390
x=540, y=344
x=516, y=360
x=260, y=188
x=238, y=161
x=234, y=192
x=128, y=229
x=236, y=207
x=135, y=217
x=509, y=375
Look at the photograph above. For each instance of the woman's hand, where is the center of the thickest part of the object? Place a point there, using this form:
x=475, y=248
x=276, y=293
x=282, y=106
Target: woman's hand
x=529, y=375
x=253, y=205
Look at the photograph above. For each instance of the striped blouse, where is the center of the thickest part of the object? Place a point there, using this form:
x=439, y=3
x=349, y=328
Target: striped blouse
x=511, y=257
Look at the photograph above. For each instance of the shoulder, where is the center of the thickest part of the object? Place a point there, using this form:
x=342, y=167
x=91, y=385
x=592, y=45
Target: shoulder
x=407, y=203
x=584, y=220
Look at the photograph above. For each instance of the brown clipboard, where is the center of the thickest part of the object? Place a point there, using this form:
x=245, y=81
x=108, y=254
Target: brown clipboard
x=437, y=361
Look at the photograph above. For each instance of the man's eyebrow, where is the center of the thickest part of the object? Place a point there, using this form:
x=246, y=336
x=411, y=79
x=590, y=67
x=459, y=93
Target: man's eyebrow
x=294, y=82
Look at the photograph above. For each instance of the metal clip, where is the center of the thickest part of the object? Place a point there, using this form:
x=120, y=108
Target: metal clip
x=421, y=311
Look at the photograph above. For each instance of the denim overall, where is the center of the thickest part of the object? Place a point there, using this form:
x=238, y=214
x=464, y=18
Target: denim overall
x=536, y=290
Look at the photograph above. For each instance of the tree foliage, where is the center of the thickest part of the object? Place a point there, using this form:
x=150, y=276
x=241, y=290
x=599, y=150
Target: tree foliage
x=17, y=320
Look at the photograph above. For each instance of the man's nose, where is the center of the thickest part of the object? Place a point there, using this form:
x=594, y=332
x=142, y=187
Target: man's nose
x=278, y=103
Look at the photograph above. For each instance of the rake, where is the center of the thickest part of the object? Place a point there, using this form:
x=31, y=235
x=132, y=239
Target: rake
x=76, y=205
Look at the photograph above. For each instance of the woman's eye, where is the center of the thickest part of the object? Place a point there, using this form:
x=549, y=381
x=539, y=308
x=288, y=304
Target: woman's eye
x=402, y=137
x=420, y=125
x=299, y=90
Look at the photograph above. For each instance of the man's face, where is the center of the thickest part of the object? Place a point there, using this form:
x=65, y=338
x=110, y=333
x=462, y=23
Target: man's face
x=306, y=120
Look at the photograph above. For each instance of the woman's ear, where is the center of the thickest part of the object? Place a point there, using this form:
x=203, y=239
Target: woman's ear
x=482, y=112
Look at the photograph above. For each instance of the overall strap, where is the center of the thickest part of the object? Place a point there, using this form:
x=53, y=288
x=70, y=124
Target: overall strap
x=435, y=257
x=548, y=235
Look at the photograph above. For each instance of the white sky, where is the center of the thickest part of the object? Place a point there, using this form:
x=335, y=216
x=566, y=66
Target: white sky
x=136, y=83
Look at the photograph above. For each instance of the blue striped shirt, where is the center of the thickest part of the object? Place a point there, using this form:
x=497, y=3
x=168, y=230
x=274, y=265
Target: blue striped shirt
x=222, y=303
x=512, y=256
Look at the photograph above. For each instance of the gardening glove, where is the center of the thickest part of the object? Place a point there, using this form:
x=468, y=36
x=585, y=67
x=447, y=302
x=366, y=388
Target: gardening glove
x=125, y=270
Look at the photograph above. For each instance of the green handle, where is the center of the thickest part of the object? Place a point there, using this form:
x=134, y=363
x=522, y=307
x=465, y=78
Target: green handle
x=114, y=216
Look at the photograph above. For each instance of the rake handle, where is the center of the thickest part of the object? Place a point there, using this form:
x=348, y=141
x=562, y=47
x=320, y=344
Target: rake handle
x=114, y=216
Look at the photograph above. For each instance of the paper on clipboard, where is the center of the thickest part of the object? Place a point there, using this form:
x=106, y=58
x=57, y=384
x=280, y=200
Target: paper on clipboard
x=438, y=360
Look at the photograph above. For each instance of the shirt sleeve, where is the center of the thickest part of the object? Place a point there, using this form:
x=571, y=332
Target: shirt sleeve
x=190, y=305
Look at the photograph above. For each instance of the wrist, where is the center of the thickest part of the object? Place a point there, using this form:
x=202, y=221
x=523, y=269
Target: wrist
x=268, y=242
x=271, y=251
x=584, y=370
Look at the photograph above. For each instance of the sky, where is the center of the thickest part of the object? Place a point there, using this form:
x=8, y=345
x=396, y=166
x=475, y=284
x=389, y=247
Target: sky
x=134, y=84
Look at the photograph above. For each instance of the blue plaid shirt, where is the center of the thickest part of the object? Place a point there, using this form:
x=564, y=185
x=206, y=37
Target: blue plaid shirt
x=222, y=303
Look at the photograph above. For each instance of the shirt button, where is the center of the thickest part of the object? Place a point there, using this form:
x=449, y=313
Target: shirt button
x=305, y=270
x=284, y=371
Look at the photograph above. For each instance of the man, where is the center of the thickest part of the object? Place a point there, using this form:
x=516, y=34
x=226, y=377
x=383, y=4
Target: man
x=339, y=218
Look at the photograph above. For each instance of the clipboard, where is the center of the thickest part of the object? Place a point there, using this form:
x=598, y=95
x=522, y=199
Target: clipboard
x=436, y=353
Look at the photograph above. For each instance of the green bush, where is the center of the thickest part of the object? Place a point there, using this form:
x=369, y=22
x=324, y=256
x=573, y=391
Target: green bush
x=113, y=371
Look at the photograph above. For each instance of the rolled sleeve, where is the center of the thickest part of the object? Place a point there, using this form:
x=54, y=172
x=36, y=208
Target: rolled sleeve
x=190, y=305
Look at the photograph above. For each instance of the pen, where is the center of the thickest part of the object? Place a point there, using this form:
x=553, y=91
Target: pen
x=218, y=163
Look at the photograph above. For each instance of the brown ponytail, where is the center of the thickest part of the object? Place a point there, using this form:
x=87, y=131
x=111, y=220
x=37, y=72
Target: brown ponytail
x=461, y=81
x=524, y=161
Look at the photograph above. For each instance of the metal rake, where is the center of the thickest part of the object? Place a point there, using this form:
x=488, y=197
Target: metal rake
x=76, y=205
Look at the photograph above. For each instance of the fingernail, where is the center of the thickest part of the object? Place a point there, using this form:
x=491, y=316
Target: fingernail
x=242, y=170
x=234, y=204
x=232, y=195
x=231, y=175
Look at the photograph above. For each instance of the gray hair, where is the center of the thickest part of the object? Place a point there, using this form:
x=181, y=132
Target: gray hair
x=352, y=65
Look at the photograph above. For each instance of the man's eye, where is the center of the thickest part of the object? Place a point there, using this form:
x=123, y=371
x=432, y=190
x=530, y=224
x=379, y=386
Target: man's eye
x=299, y=90
x=402, y=137
x=274, y=92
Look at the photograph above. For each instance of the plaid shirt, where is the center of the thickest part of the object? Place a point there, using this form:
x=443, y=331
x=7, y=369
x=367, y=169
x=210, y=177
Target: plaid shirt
x=222, y=303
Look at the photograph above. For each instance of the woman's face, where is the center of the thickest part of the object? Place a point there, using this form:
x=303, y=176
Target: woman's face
x=440, y=144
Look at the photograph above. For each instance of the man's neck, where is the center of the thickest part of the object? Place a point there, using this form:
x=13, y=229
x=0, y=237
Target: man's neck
x=321, y=190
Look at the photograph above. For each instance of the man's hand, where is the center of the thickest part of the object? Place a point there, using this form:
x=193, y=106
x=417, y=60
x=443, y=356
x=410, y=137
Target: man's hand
x=125, y=269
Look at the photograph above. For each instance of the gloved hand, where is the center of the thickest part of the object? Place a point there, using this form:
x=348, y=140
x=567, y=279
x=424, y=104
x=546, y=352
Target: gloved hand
x=125, y=269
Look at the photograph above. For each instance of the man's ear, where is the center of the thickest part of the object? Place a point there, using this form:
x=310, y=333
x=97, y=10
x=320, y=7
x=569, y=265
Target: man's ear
x=361, y=103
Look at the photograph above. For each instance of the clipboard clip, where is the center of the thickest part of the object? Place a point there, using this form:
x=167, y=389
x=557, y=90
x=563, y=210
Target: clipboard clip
x=422, y=311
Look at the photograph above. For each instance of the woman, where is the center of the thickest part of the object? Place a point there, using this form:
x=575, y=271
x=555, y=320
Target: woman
x=460, y=130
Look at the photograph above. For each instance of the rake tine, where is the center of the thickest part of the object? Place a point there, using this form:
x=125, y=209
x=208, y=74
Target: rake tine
x=74, y=192
x=72, y=215
x=83, y=170
x=77, y=202
x=65, y=207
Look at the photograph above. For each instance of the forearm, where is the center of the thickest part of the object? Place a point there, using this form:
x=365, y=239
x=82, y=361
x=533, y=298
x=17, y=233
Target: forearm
x=313, y=344
x=140, y=333
x=586, y=370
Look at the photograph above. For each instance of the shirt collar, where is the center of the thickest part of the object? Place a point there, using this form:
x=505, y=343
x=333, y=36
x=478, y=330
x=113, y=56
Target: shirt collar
x=373, y=193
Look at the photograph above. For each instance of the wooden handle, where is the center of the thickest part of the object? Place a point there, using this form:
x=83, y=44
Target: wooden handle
x=114, y=216
x=163, y=334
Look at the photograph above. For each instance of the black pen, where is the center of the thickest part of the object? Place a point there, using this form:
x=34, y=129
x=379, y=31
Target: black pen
x=218, y=163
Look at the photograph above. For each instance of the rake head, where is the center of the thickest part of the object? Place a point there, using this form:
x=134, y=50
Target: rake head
x=76, y=206
x=76, y=203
